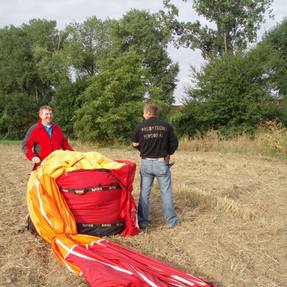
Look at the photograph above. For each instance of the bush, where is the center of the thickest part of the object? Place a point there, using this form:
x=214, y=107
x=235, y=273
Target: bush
x=232, y=95
x=112, y=104
x=19, y=112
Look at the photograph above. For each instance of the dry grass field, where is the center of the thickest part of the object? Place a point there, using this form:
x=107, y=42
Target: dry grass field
x=233, y=215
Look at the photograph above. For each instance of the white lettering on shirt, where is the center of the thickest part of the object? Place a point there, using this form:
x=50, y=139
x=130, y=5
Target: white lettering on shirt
x=153, y=128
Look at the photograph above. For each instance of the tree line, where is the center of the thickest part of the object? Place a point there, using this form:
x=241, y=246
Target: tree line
x=97, y=74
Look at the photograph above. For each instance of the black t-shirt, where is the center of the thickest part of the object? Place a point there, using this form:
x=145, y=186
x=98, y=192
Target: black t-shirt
x=156, y=138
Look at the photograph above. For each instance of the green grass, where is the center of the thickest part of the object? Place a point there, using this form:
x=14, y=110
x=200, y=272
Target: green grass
x=11, y=142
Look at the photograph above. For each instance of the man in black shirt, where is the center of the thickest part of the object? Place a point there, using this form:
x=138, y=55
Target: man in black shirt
x=155, y=140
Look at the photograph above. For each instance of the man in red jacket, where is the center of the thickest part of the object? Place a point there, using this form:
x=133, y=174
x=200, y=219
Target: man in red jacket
x=43, y=138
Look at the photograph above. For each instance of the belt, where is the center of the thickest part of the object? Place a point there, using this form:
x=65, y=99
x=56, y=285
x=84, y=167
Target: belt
x=155, y=158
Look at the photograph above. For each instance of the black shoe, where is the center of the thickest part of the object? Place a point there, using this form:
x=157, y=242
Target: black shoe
x=143, y=227
x=30, y=226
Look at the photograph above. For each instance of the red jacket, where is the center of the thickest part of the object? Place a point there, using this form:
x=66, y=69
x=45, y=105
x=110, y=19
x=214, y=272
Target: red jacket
x=37, y=141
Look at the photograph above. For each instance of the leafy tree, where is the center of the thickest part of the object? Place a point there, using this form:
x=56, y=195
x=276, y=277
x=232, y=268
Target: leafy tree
x=46, y=44
x=14, y=59
x=231, y=95
x=18, y=112
x=277, y=39
x=144, y=34
x=135, y=67
x=29, y=71
x=65, y=103
x=88, y=45
x=233, y=24
x=26, y=60
x=49, y=66
x=112, y=103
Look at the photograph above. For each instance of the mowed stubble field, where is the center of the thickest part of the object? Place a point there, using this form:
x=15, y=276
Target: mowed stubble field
x=233, y=215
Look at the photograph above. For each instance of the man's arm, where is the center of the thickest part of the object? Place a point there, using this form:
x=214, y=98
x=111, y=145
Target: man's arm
x=66, y=145
x=136, y=145
x=135, y=139
x=28, y=144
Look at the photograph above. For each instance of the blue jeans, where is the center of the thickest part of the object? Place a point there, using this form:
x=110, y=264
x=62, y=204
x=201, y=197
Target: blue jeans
x=149, y=170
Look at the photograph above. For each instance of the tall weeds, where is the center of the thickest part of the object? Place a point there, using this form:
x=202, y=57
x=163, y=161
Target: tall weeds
x=270, y=139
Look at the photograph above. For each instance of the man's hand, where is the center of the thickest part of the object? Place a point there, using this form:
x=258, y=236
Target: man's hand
x=36, y=160
x=168, y=162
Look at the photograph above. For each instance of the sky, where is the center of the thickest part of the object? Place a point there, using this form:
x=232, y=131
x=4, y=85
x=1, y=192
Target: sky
x=17, y=12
